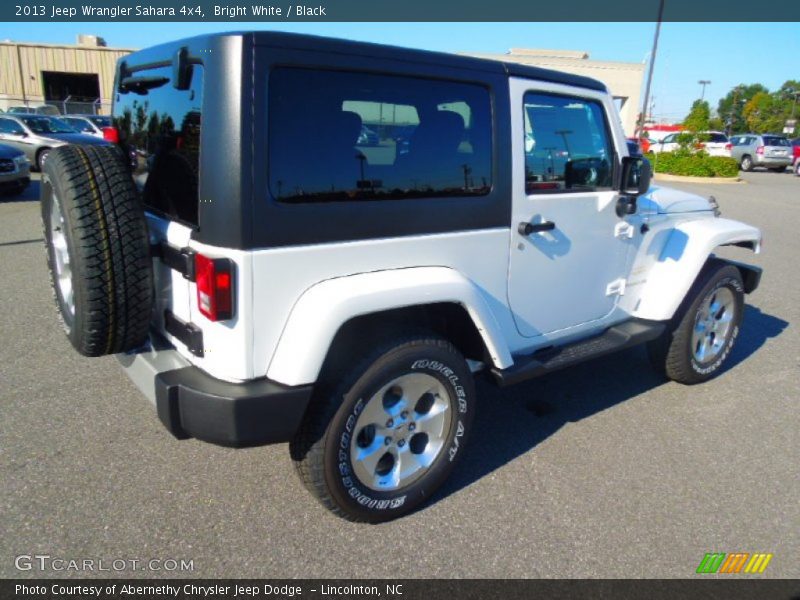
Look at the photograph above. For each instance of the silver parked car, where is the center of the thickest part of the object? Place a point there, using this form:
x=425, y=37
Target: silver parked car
x=36, y=135
x=751, y=150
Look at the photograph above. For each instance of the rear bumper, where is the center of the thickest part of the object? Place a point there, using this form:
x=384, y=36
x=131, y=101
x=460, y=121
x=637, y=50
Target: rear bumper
x=773, y=161
x=191, y=403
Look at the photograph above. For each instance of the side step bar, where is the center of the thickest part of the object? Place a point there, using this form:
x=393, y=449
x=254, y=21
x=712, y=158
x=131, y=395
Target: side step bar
x=627, y=334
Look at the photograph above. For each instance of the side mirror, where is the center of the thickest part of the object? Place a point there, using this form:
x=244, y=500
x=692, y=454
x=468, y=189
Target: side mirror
x=636, y=175
x=21, y=134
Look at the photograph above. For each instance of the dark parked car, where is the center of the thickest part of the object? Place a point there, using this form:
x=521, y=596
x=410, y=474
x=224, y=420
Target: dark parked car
x=14, y=171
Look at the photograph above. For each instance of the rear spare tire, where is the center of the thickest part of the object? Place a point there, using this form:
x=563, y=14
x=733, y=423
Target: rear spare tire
x=97, y=249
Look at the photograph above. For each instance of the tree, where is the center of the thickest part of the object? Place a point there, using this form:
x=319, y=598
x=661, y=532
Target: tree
x=698, y=117
x=731, y=106
x=765, y=113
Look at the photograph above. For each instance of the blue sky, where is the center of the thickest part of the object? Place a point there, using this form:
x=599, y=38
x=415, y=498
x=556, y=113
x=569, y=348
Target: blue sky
x=725, y=53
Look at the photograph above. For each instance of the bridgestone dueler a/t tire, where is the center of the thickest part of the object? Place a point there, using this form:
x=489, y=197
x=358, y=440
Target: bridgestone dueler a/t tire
x=107, y=244
x=671, y=354
x=327, y=471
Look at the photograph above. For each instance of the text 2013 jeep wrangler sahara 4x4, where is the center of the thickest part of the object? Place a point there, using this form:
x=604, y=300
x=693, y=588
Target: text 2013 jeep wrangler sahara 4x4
x=321, y=241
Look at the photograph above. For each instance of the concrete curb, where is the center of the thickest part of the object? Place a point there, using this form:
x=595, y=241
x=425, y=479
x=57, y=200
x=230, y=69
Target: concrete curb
x=687, y=179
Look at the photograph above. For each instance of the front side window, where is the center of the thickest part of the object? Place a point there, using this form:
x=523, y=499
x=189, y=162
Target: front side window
x=567, y=144
x=338, y=136
x=10, y=126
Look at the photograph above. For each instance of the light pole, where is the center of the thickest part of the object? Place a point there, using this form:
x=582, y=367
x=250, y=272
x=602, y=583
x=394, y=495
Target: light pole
x=704, y=83
x=640, y=125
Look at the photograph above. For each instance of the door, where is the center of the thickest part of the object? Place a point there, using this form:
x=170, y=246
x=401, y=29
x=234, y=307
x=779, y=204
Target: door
x=569, y=249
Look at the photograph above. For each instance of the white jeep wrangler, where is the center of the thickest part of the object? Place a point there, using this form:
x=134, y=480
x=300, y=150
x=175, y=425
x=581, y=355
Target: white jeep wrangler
x=318, y=241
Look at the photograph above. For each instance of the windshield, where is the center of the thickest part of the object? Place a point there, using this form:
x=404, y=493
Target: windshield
x=775, y=141
x=47, y=125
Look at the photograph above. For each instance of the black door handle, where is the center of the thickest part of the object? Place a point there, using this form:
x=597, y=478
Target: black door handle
x=529, y=228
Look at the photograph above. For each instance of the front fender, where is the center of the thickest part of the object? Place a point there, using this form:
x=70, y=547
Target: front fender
x=326, y=306
x=686, y=250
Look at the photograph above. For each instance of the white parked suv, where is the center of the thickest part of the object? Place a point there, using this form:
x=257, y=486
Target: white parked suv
x=263, y=277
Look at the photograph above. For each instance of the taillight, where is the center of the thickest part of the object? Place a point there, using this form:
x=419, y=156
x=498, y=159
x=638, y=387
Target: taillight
x=760, y=150
x=214, y=278
x=728, y=147
x=111, y=134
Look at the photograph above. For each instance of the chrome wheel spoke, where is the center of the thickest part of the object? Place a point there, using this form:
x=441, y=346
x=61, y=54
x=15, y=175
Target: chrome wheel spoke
x=373, y=412
x=433, y=421
x=367, y=458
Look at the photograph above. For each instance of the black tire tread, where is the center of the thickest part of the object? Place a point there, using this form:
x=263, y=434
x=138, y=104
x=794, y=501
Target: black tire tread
x=110, y=247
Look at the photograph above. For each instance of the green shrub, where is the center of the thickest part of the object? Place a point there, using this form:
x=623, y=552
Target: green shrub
x=693, y=164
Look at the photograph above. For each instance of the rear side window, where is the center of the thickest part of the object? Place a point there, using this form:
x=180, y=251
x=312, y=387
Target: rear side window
x=159, y=126
x=338, y=136
x=771, y=140
x=567, y=144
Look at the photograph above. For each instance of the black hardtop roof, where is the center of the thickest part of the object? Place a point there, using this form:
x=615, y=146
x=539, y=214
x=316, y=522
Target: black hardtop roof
x=302, y=41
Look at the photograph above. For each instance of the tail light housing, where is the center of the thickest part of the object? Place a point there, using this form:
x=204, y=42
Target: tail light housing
x=729, y=147
x=214, y=278
x=111, y=134
x=760, y=150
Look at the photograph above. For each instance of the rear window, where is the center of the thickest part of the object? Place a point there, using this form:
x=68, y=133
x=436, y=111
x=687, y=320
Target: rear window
x=338, y=136
x=79, y=125
x=101, y=121
x=719, y=138
x=159, y=126
x=771, y=140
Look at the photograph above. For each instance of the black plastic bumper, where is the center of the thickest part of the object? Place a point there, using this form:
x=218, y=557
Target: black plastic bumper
x=191, y=403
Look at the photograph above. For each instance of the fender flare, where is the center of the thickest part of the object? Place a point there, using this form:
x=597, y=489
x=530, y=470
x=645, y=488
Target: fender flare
x=686, y=250
x=323, y=308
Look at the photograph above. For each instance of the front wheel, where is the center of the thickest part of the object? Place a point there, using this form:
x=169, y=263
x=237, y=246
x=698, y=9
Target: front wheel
x=694, y=349
x=797, y=168
x=379, y=443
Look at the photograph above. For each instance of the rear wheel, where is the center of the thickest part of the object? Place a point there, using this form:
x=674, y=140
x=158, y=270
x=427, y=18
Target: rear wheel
x=797, y=168
x=747, y=163
x=97, y=249
x=380, y=442
x=703, y=332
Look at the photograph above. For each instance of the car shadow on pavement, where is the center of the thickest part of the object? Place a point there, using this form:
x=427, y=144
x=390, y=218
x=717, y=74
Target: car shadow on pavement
x=512, y=421
x=31, y=194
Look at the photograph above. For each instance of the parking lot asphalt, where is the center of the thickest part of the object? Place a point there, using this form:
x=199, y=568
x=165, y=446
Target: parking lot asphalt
x=603, y=470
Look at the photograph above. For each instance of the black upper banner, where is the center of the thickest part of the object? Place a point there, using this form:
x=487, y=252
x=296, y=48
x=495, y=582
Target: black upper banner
x=266, y=11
